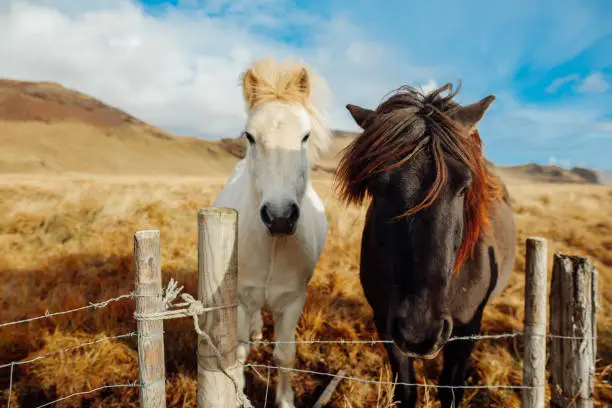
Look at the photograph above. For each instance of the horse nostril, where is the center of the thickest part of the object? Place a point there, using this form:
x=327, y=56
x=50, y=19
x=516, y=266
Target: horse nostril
x=264, y=213
x=294, y=213
x=447, y=328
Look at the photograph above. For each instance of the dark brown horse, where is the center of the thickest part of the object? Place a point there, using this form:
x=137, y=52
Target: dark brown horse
x=439, y=237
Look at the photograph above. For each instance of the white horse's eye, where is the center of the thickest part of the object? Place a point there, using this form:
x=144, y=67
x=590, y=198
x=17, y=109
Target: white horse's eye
x=249, y=137
x=305, y=138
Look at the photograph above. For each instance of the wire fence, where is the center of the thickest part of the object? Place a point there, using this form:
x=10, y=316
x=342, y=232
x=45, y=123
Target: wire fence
x=46, y=315
x=172, y=288
x=165, y=308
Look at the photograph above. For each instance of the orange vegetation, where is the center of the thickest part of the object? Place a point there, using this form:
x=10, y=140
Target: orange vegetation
x=66, y=241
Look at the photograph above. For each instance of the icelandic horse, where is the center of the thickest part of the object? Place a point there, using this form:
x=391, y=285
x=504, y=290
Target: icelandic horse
x=438, y=242
x=282, y=224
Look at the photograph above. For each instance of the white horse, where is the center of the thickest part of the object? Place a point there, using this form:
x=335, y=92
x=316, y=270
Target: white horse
x=282, y=225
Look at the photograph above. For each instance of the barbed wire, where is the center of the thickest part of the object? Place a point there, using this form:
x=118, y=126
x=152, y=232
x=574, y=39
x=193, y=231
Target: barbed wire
x=372, y=342
x=47, y=315
x=190, y=308
x=172, y=290
x=365, y=380
x=12, y=364
x=79, y=346
x=193, y=308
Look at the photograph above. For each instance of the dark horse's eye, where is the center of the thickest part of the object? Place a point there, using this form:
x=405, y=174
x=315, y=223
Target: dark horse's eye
x=463, y=191
x=305, y=138
x=249, y=137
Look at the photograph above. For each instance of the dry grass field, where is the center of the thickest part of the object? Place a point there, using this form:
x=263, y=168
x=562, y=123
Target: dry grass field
x=67, y=240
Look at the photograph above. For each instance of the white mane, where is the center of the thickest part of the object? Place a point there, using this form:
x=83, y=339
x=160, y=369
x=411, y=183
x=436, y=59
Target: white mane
x=276, y=81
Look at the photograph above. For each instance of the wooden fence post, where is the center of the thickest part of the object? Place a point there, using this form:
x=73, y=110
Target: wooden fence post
x=152, y=369
x=217, y=286
x=534, y=360
x=573, y=315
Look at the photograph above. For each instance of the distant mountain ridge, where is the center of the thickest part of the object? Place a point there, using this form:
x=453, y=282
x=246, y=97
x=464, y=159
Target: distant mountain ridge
x=556, y=174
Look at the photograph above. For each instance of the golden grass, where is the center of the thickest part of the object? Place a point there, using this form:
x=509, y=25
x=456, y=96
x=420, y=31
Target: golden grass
x=66, y=241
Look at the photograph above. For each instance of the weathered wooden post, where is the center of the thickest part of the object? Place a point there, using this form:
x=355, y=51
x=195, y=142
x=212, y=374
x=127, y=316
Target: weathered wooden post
x=534, y=360
x=573, y=326
x=217, y=286
x=152, y=368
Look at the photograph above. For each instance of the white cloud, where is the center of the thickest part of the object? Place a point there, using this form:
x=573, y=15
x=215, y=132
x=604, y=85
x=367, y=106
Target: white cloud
x=593, y=83
x=180, y=71
x=559, y=82
x=431, y=85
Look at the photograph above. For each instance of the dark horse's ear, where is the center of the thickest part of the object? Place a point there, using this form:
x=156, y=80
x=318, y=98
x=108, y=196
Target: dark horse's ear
x=470, y=115
x=360, y=114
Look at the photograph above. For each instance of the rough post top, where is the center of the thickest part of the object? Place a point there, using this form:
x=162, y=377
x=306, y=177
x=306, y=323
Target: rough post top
x=536, y=239
x=574, y=258
x=144, y=234
x=223, y=211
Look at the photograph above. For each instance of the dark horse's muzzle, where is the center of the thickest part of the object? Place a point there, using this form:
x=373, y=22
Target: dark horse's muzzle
x=423, y=340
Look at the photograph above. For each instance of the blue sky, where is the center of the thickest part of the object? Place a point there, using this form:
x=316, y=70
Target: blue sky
x=549, y=63
x=176, y=63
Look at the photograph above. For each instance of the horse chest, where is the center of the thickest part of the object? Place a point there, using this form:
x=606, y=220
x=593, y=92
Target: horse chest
x=270, y=270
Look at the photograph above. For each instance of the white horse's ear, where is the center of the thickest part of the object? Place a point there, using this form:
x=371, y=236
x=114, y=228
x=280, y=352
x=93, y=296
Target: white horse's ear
x=250, y=84
x=300, y=83
x=470, y=115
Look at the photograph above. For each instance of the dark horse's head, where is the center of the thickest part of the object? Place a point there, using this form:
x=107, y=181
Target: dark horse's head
x=419, y=158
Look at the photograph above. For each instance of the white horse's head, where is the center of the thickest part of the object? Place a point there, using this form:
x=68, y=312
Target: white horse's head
x=286, y=132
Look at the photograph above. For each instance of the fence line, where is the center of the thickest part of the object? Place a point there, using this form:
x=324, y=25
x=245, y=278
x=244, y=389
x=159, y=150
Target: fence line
x=172, y=288
x=300, y=342
x=196, y=308
x=270, y=367
x=82, y=345
x=457, y=338
x=272, y=342
x=217, y=266
x=99, y=305
x=365, y=380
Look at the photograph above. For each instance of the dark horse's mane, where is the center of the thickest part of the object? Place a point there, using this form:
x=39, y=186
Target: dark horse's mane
x=408, y=122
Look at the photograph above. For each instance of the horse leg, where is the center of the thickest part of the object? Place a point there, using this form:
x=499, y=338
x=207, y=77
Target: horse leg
x=402, y=368
x=256, y=326
x=243, y=349
x=457, y=362
x=285, y=322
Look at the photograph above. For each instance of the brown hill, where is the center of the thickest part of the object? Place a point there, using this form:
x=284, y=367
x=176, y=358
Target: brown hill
x=45, y=127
